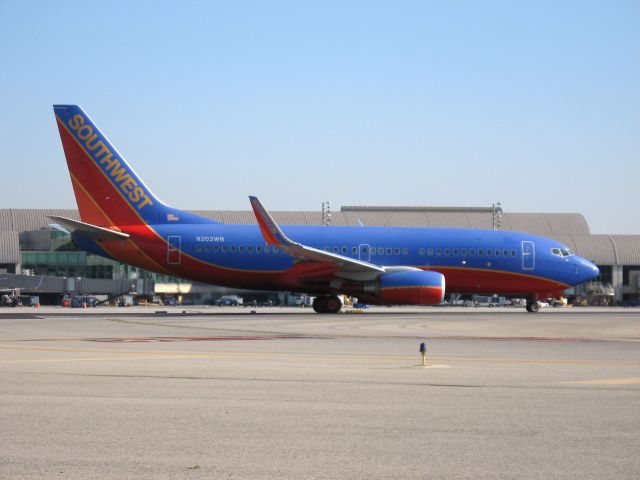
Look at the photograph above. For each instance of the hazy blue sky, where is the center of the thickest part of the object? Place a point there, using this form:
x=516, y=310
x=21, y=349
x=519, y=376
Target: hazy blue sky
x=534, y=104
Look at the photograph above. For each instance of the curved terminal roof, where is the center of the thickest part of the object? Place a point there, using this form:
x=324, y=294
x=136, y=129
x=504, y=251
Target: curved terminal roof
x=9, y=247
x=569, y=228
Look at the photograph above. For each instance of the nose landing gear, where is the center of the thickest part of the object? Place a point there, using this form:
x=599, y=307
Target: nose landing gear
x=533, y=306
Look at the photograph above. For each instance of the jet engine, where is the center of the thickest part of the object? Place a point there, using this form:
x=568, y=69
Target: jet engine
x=412, y=287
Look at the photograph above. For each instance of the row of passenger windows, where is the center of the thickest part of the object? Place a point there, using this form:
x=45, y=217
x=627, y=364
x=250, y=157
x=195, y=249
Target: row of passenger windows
x=372, y=250
x=463, y=252
x=438, y=252
x=239, y=249
x=447, y=252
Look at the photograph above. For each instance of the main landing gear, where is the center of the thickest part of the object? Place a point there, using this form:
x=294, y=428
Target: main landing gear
x=533, y=306
x=327, y=304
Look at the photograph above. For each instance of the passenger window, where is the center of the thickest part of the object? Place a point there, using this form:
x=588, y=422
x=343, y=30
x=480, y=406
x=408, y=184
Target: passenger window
x=397, y=251
x=505, y=253
x=455, y=252
x=335, y=249
x=389, y=251
x=489, y=253
x=198, y=248
x=497, y=253
x=480, y=252
x=232, y=249
x=513, y=253
x=472, y=252
x=258, y=249
x=405, y=251
x=354, y=250
x=463, y=252
x=447, y=252
x=326, y=249
x=224, y=249
x=344, y=250
x=267, y=249
x=439, y=252
x=430, y=252
x=216, y=248
x=207, y=249
x=241, y=249
x=250, y=249
x=421, y=252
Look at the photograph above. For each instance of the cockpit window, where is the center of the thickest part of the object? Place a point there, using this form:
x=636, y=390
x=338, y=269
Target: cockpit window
x=562, y=252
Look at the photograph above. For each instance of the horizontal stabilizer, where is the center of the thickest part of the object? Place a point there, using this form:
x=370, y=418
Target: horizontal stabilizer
x=92, y=231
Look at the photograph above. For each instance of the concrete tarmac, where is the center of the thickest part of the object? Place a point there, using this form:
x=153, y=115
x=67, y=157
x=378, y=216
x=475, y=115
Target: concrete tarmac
x=284, y=393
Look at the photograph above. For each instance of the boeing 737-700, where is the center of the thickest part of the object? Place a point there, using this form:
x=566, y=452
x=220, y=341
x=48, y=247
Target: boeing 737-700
x=122, y=219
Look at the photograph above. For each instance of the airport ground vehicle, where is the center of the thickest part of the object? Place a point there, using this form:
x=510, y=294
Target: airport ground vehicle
x=491, y=301
x=227, y=301
x=83, y=302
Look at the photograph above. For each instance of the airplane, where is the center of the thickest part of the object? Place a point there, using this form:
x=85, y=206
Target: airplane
x=121, y=219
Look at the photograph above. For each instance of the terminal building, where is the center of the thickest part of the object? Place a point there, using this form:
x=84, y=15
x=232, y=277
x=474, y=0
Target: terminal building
x=41, y=260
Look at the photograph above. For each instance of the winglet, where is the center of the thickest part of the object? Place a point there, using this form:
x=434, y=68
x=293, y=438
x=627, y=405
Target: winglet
x=269, y=228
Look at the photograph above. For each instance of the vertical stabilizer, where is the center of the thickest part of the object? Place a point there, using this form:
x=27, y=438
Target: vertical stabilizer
x=107, y=190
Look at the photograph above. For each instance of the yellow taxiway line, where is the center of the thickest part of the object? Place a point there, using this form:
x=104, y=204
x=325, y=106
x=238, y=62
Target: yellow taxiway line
x=609, y=381
x=99, y=354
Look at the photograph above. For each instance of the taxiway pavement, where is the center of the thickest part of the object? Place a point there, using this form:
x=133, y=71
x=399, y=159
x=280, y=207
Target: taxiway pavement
x=160, y=392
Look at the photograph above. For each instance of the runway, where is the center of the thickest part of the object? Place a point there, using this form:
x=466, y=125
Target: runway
x=210, y=392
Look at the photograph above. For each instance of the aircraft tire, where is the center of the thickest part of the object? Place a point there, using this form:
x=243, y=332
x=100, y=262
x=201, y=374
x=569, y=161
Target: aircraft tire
x=319, y=305
x=533, y=307
x=333, y=304
x=327, y=304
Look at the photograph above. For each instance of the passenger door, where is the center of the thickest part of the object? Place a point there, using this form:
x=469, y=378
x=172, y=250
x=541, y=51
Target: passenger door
x=174, y=243
x=528, y=255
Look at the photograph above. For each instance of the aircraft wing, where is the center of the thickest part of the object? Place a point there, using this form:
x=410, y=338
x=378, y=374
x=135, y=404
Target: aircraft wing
x=273, y=235
x=92, y=231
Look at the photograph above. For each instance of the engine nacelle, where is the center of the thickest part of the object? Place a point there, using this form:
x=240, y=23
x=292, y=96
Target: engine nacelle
x=413, y=287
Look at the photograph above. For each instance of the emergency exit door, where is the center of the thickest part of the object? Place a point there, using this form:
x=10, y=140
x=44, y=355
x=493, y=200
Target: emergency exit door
x=364, y=252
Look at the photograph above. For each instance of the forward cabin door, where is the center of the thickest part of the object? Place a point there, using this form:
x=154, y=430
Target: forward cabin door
x=528, y=255
x=174, y=244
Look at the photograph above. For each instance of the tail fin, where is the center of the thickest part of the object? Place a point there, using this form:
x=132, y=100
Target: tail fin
x=107, y=190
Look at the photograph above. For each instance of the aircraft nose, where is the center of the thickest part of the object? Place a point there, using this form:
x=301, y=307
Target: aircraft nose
x=586, y=269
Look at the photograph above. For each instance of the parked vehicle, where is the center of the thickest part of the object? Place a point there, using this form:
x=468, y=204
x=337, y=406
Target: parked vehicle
x=495, y=301
x=83, y=302
x=227, y=301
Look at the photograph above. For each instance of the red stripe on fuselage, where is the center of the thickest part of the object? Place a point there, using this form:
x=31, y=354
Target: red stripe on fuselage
x=101, y=203
x=476, y=280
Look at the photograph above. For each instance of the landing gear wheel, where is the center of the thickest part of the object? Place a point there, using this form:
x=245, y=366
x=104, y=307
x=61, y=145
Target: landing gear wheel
x=334, y=304
x=327, y=304
x=533, y=307
x=319, y=304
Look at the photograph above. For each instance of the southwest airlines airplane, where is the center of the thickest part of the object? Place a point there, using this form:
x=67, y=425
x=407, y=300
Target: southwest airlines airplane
x=123, y=220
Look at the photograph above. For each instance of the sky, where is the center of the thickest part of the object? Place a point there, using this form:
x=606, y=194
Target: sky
x=534, y=104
